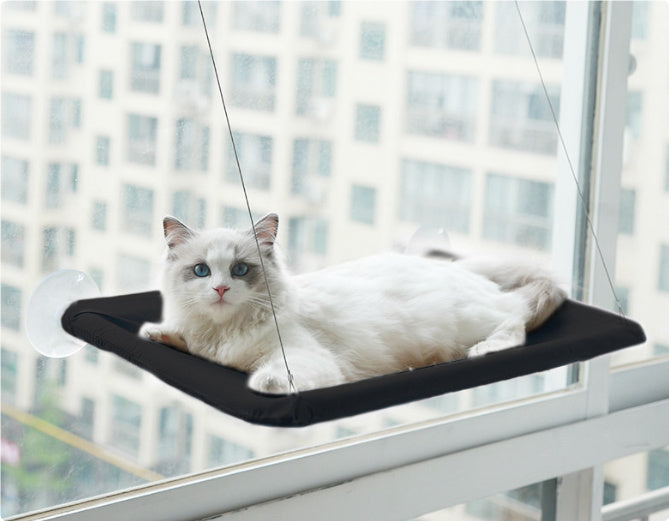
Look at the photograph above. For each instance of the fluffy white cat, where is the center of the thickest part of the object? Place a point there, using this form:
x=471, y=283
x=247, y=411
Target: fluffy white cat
x=364, y=318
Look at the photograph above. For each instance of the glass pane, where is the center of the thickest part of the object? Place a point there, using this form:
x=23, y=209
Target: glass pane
x=356, y=143
x=642, y=261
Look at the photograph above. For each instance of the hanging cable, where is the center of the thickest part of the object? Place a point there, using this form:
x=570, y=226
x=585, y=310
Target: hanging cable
x=571, y=166
x=291, y=382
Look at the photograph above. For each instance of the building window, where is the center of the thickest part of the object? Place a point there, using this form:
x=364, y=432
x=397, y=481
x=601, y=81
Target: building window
x=14, y=179
x=518, y=211
x=190, y=209
x=255, y=153
x=86, y=421
x=145, y=73
x=98, y=277
x=142, y=133
x=192, y=145
x=102, y=150
x=175, y=434
x=60, y=56
x=442, y=105
x=363, y=204
x=314, y=18
x=10, y=374
x=367, y=123
x=627, y=207
x=17, y=113
x=658, y=469
x=639, y=20
x=99, y=219
x=147, y=11
x=11, y=307
x=316, y=87
x=125, y=368
x=133, y=272
x=223, y=452
x=64, y=115
x=307, y=235
x=190, y=13
x=452, y=25
x=257, y=16
x=106, y=84
x=545, y=20
x=19, y=52
x=13, y=243
x=238, y=218
x=253, y=82
x=663, y=278
x=138, y=210
x=312, y=166
x=521, y=118
x=661, y=350
x=372, y=40
x=62, y=179
x=109, y=17
x=436, y=195
x=634, y=112
x=126, y=425
x=91, y=354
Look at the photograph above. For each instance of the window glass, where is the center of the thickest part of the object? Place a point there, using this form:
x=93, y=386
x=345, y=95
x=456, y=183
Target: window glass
x=263, y=16
x=372, y=41
x=642, y=259
x=452, y=25
x=367, y=122
x=18, y=52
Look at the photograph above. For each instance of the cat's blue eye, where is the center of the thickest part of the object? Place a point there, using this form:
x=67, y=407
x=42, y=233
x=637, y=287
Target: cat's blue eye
x=201, y=270
x=240, y=269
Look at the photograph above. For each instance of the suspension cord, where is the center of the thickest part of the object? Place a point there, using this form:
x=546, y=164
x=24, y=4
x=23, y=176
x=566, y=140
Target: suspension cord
x=571, y=166
x=291, y=382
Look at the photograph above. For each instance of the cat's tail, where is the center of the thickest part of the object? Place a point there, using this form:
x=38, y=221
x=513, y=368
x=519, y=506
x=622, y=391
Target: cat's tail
x=537, y=285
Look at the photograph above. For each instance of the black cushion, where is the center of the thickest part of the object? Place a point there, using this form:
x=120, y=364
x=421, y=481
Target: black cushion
x=576, y=332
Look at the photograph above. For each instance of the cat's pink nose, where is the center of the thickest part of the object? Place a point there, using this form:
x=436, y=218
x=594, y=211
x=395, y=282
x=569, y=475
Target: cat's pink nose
x=221, y=290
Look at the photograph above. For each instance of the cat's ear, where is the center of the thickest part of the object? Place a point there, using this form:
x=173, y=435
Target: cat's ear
x=175, y=232
x=267, y=228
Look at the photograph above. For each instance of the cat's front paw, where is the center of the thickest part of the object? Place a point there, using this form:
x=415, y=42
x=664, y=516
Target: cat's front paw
x=268, y=382
x=158, y=334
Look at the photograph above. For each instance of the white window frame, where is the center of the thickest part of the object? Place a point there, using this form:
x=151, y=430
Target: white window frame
x=415, y=469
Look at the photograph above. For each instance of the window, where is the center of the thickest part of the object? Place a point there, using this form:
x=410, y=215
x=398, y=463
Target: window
x=238, y=218
x=11, y=307
x=99, y=219
x=262, y=16
x=307, y=236
x=145, y=74
x=223, y=451
x=13, y=243
x=316, y=87
x=10, y=374
x=190, y=209
x=138, y=210
x=133, y=273
x=546, y=20
x=58, y=243
x=627, y=207
x=14, y=179
x=60, y=56
x=372, y=41
x=367, y=123
x=442, y=105
x=102, y=150
x=312, y=165
x=518, y=211
x=639, y=20
x=125, y=368
x=255, y=153
x=436, y=195
x=175, y=432
x=126, y=423
x=62, y=180
x=64, y=115
x=452, y=25
x=363, y=204
x=190, y=13
x=147, y=11
x=663, y=278
x=109, y=17
x=86, y=420
x=18, y=52
x=658, y=469
x=520, y=117
x=192, y=146
x=106, y=84
x=142, y=135
x=253, y=82
x=17, y=116
x=316, y=18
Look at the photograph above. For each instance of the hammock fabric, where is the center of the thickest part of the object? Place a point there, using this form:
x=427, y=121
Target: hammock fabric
x=576, y=332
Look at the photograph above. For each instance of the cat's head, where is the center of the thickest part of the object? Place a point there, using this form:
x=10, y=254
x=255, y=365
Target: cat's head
x=217, y=273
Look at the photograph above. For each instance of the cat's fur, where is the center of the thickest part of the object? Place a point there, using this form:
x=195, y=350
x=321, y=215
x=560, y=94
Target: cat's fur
x=368, y=317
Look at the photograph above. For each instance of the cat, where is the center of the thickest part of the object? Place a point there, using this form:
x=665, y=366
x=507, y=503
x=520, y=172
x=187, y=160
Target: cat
x=368, y=317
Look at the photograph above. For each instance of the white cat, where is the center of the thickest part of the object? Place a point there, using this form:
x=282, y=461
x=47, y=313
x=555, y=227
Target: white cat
x=364, y=318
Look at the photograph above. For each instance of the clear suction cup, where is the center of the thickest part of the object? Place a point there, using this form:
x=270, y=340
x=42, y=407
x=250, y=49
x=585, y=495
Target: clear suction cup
x=428, y=239
x=46, y=307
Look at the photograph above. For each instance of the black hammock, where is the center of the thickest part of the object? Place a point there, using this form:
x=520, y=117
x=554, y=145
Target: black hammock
x=576, y=332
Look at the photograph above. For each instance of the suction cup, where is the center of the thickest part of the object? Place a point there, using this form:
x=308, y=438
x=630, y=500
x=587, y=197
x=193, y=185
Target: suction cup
x=429, y=239
x=46, y=307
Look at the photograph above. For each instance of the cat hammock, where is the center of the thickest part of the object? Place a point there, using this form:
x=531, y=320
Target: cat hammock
x=575, y=333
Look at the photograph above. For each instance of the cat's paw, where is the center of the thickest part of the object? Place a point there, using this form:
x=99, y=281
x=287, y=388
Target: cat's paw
x=487, y=346
x=157, y=334
x=269, y=382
